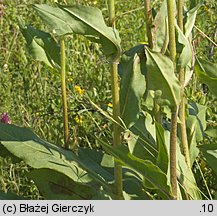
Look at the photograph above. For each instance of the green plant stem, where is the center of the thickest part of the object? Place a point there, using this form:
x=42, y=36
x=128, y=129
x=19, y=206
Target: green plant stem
x=111, y=10
x=63, y=88
x=180, y=15
x=183, y=132
x=116, y=129
x=171, y=22
x=148, y=17
x=118, y=186
x=173, y=140
x=173, y=131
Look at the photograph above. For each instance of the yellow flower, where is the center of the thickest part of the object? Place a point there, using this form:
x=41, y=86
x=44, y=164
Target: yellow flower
x=79, y=90
x=78, y=119
x=70, y=79
x=110, y=105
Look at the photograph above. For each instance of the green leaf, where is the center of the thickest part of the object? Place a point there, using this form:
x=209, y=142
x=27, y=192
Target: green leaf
x=146, y=168
x=132, y=183
x=57, y=167
x=196, y=120
x=161, y=78
x=163, y=155
x=210, y=153
x=9, y=196
x=190, y=18
x=141, y=138
x=187, y=183
x=211, y=131
x=207, y=74
x=42, y=46
x=38, y=154
x=193, y=150
x=184, y=48
x=56, y=186
x=83, y=20
x=186, y=178
x=133, y=84
x=10, y=132
x=160, y=29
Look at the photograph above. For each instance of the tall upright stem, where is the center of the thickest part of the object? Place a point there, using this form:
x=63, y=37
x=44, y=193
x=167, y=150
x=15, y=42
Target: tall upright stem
x=63, y=88
x=148, y=17
x=173, y=131
x=118, y=187
x=183, y=132
x=171, y=22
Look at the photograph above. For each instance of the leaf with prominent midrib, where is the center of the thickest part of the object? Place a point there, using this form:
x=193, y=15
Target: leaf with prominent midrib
x=161, y=78
x=83, y=20
x=37, y=153
x=55, y=185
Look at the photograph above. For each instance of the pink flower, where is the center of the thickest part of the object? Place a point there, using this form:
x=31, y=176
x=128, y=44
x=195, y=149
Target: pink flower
x=5, y=118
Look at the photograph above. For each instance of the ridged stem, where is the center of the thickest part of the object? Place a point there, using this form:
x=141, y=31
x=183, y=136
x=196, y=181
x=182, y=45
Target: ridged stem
x=63, y=88
x=183, y=132
x=118, y=186
x=148, y=17
x=173, y=131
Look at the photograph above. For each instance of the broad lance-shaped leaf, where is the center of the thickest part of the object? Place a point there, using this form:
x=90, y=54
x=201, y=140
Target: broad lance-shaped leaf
x=161, y=78
x=133, y=84
x=152, y=173
x=41, y=154
x=42, y=46
x=88, y=169
x=207, y=74
x=83, y=20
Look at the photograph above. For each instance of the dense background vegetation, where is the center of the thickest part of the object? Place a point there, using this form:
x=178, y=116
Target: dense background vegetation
x=30, y=90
